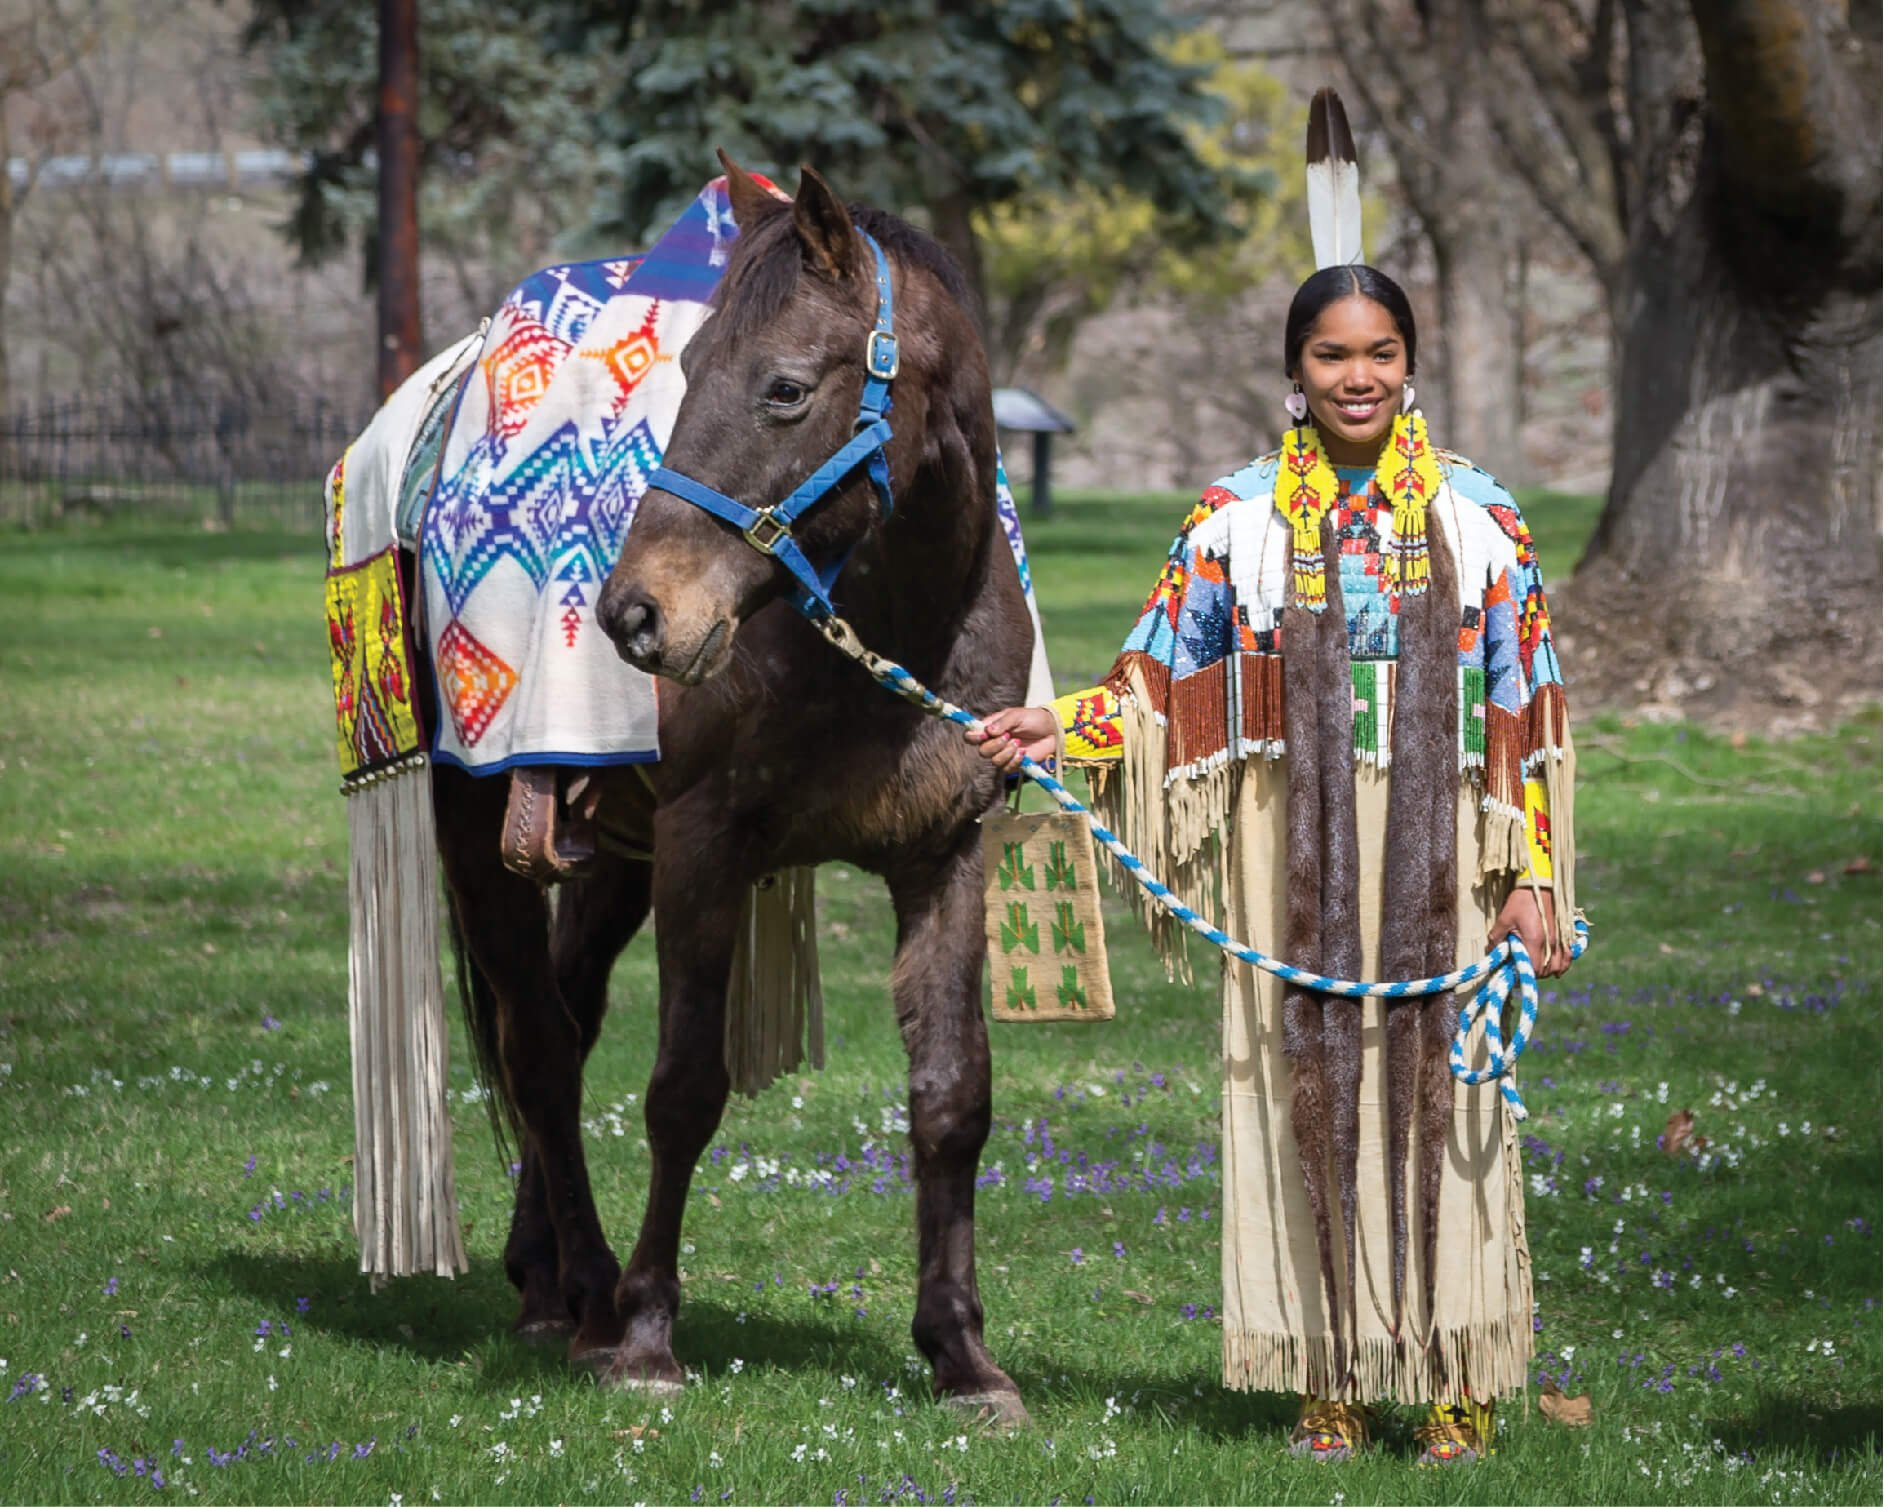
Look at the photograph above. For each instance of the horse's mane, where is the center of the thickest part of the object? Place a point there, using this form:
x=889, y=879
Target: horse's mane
x=763, y=280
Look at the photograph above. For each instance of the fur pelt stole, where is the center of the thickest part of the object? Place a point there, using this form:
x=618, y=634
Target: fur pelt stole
x=1419, y=926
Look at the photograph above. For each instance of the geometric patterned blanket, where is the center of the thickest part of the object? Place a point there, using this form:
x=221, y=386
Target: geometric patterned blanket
x=556, y=431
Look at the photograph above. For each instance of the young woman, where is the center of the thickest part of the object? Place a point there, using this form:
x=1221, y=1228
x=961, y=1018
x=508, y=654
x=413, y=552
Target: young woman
x=1339, y=722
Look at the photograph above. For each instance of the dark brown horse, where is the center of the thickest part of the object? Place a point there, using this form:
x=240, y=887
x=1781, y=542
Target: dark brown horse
x=775, y=752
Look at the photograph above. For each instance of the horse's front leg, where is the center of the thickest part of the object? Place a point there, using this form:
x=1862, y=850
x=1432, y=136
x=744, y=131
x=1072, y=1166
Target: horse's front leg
x=940, y=953
x=698, y=898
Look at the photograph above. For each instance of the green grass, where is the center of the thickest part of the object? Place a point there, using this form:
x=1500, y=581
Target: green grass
x=173, y=1056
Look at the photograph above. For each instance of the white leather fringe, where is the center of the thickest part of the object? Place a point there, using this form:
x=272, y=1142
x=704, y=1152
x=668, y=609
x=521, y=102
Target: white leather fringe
x=405, y=1207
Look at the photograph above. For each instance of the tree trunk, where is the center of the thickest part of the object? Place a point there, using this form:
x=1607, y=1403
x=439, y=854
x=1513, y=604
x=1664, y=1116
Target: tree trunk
x=1480, y=373
x=1452, y=168
x=400, y=350
x=7, y=208
x=1736, y=571
x=951, y=219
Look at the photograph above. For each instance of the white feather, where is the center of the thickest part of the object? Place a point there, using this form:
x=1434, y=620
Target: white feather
x=1334, y=212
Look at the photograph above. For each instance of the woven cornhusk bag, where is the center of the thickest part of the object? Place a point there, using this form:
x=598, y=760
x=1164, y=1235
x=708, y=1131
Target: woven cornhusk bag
x=1046, y=940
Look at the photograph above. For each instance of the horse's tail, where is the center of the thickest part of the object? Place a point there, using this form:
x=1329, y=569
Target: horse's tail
x=479, y=1000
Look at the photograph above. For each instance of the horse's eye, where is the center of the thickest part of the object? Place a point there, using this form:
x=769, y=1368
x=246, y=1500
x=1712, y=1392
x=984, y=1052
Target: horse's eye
x=784, y=393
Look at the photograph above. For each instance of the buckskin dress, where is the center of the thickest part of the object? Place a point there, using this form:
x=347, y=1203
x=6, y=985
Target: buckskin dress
x=1188, y=730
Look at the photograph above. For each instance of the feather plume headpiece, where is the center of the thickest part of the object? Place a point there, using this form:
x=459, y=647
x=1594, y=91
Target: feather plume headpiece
x=1334, y=184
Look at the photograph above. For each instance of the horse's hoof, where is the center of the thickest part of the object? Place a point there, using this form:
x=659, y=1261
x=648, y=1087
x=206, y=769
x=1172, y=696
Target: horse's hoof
x=996, y=1412
x=616, y=1377
x=648, y=1386
x=544, y=1331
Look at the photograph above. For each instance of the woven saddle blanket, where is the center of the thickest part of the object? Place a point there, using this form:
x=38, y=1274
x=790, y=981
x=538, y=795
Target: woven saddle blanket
x=559, y=419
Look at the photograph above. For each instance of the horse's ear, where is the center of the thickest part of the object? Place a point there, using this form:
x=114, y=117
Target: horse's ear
x=824, y=226
x=750, y=198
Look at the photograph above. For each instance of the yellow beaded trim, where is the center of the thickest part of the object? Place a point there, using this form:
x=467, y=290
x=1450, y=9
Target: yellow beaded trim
x=1305, y=490
x=1407, y=474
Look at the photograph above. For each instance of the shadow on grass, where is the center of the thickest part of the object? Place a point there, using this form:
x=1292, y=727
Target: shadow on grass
x=447, y=1321
x=1793, y=1425
x=443, y=1321
x=709, y=1335
x=424, y=1316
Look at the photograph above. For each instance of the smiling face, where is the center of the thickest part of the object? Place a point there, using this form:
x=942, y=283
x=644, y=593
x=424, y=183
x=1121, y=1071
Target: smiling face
x=1352, y=367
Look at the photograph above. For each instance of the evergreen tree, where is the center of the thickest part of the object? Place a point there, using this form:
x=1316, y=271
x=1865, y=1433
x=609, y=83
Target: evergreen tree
x=602, y=116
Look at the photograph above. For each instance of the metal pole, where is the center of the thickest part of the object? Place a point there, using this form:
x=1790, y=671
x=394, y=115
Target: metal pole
x=1043, y=466
x=398, y=192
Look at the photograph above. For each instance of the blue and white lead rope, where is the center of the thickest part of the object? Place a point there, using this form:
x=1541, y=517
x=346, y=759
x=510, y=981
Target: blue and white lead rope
x=1505, y=967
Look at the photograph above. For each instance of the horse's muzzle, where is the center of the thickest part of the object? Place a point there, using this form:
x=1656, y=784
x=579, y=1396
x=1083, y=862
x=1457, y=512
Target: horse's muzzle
x=639, y=629
x=633, y=622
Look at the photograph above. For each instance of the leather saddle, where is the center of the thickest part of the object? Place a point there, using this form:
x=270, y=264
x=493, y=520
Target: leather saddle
x=559, y=820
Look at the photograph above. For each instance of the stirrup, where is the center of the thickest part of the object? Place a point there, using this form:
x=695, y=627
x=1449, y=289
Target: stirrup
x=1456, y=1433
x=1328, y=1431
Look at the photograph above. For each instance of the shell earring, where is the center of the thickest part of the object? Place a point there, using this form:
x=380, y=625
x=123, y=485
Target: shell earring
x=1406, y=398
x=1297, y=403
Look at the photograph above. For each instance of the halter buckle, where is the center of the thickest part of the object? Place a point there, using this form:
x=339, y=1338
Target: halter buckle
x=765, y=532
x=882, y=356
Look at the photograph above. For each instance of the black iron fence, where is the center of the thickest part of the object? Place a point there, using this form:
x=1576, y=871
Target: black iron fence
x=220, y=461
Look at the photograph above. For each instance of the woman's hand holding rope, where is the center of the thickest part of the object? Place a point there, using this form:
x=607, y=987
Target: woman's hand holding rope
x=1532, y=913
x=1016, y=734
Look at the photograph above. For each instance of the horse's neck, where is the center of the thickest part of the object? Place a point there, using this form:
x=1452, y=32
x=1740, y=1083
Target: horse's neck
x=928, y=577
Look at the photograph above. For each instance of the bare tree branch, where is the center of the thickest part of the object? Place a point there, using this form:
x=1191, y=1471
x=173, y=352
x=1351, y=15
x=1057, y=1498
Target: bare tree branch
x=1585, y=218
x=1574, y=173
x=1380, y=66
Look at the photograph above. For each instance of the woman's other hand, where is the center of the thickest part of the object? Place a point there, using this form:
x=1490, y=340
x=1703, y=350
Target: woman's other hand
x=1532, y=914
x=1016, y=733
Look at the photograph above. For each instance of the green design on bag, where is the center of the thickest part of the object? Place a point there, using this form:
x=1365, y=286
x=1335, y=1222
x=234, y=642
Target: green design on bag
x=1020, y=992
x=1069, y=935
x=1072, y=997
x=1060, y=875
x=1019, y=929
x=1014, y=868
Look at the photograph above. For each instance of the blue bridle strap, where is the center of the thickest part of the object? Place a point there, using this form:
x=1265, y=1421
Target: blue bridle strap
x=769, y=529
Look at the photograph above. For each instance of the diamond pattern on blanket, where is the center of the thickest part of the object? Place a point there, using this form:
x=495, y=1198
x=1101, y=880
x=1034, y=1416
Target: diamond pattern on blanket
x=474, y=682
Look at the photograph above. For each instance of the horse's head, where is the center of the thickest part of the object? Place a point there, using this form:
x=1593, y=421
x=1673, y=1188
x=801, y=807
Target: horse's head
x=774, y=382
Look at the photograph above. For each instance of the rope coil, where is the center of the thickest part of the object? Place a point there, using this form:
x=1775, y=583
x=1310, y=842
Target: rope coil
x=1505, y=969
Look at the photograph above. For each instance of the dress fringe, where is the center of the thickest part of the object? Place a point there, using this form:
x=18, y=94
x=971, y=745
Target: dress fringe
x=1174, y=821
x=1560, y=783
x=1484, y=1360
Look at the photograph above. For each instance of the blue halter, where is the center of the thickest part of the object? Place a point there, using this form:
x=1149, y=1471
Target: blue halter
x=769, y=529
